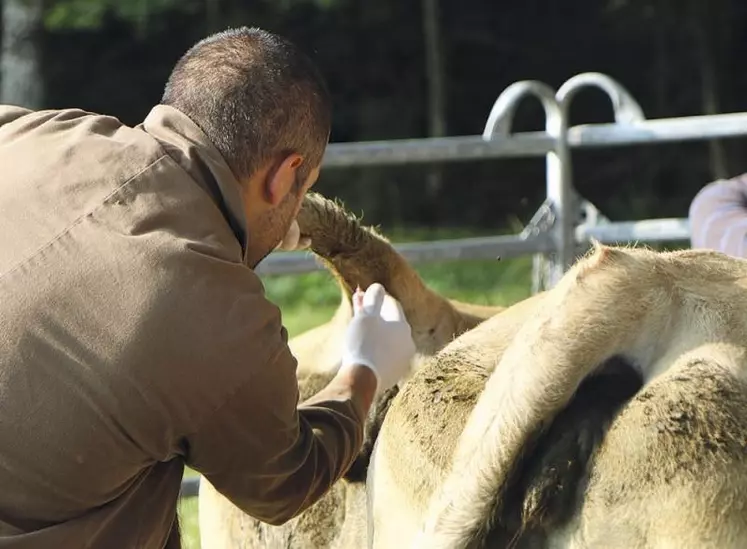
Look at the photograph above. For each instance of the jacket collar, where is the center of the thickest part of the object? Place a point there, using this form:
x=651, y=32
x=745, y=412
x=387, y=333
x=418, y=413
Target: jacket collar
x=185, y=142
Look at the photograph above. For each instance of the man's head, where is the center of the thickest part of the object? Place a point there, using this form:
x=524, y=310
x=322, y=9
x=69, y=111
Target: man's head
x=266, y=108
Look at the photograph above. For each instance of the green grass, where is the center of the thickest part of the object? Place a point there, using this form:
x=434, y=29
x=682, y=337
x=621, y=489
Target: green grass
x=190, y=528
x=310, y=299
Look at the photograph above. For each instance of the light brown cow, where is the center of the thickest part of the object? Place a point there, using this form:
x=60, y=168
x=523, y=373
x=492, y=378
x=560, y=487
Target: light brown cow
x=610, y=411
x=356, y=256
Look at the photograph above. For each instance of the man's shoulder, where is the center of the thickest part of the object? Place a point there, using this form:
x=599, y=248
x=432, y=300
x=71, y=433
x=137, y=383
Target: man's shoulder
x=77, y=137
x=15, y=119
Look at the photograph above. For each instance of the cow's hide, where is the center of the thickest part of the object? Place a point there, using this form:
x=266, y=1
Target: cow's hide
x=610, y=411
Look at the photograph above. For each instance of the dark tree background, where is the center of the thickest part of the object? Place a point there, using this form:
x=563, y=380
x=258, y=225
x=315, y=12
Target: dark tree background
x=408, y=69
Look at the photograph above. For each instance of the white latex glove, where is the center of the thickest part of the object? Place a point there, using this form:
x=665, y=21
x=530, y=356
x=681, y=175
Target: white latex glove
x=379, y=337
x=292, y=239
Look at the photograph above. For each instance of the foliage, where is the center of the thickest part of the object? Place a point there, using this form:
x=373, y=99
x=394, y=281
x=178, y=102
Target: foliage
x=90, y=14
x=372, y=54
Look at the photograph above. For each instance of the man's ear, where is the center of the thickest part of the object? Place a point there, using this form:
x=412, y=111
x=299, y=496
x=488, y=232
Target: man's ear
x=281, y=178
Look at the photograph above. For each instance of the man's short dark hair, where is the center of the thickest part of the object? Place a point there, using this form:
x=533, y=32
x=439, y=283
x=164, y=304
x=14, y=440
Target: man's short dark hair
x=255, y=95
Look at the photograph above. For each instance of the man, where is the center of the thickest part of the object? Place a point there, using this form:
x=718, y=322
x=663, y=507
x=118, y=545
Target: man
x=135, y=336
x=718, y=217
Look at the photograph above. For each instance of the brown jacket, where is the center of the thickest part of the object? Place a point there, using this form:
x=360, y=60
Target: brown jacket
x=133, y=339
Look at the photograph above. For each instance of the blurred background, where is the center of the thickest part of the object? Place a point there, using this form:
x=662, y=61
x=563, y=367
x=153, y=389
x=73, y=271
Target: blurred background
x=419, y=68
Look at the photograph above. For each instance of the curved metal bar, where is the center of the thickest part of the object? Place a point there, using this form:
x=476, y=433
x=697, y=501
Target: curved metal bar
x=501, y=116
x=625, y=108
x=560, y=194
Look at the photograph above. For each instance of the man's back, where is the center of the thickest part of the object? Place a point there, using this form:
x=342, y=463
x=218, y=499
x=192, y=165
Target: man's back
x=99, y=229
x=58, y=167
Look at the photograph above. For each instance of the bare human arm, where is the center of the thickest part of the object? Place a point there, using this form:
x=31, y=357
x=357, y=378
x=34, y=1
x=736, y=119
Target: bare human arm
x=357, y=384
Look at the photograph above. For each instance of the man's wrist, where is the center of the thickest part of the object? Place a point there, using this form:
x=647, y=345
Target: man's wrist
x=363, y=382
x=360, y=364
x=355, y=382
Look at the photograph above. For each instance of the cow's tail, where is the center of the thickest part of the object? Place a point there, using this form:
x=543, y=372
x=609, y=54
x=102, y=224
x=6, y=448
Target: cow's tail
x=359, y=256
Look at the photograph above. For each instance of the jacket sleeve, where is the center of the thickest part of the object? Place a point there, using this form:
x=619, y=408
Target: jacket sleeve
x=718, y=217
x=268, y=455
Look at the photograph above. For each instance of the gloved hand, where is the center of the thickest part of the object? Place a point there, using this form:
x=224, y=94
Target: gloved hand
x=379, y=337
x=293, y=240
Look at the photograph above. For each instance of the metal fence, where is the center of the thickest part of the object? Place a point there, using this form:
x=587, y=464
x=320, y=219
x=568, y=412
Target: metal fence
x=565, y=222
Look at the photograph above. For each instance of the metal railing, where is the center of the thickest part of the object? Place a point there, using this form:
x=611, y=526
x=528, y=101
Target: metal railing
x=565, y=222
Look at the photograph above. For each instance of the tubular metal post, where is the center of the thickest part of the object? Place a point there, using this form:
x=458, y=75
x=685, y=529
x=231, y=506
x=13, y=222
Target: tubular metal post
x=499, y=123
x=560, y=190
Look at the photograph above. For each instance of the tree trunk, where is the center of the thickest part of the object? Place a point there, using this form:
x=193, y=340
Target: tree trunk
x=20, y=66
x=662, y=61
x=434, y=68
x=705, y=37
